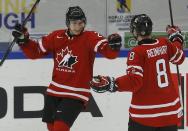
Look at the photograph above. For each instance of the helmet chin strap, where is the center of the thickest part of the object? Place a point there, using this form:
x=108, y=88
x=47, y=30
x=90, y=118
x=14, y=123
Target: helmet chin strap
x=135, y=35
x=139, y=37
x=71, y=34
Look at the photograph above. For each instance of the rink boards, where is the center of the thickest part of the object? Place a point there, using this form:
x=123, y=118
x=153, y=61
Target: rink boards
x=23, y=82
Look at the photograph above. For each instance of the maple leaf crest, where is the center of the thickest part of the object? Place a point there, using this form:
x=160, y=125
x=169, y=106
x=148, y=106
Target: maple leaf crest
x=66, y=59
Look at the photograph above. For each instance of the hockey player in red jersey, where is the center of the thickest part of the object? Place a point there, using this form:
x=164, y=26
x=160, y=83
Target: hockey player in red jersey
x=155, y=105
x=73, y=51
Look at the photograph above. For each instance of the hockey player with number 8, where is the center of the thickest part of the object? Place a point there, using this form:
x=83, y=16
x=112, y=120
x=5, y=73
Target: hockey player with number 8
x=155, y=104
x=73, y=51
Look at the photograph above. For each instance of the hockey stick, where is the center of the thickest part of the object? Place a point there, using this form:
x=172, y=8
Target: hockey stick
x=177, y=67
x=11, y=44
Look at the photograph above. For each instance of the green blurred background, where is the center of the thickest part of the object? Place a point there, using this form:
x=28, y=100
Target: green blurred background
x=131, y=42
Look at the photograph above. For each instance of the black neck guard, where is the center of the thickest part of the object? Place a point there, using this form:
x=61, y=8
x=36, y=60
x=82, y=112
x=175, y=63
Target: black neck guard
x=147, y=41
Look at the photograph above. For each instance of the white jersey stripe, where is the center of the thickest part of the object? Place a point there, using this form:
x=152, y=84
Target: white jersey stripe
x=179, y=58
x=67, y=93
x=69, y=87
x=41, y=46
x=156, y=114
x=137, y=67
x=173, y=57
x=138, y=73
x=98, y=44
x=156, y=106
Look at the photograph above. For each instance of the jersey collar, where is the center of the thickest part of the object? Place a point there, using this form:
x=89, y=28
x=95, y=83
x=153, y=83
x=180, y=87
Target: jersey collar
x=147, y=41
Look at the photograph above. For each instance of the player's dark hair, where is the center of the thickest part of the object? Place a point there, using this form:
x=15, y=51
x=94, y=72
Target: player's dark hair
x=141, y=24
x=75, y=13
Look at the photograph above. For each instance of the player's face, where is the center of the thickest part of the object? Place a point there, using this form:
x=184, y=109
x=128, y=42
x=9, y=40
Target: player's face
x=76, y=27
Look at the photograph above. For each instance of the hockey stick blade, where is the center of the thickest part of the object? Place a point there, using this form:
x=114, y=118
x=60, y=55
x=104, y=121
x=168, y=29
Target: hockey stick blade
x=11, y=44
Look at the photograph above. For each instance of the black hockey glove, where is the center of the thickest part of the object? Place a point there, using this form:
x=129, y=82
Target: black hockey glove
x=21, y=34
x=174, y=34
x=101, y=84
x=115, y=41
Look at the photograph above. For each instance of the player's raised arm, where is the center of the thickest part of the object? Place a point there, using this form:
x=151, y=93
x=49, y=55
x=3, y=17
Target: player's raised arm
x=175, y=37
x=111, y=47
x=30, y=47
x=108, y=47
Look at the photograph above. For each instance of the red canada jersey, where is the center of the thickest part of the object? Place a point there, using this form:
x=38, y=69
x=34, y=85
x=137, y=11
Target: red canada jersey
x=155, y=101
x=73, y=60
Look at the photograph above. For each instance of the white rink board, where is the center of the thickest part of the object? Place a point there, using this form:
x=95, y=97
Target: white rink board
x=114, y=107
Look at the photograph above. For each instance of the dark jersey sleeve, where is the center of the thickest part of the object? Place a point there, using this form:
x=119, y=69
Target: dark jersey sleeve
x=37, y=49
x=47, y=42
x=99, y=44
x=176, y=54
x=133, y=80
